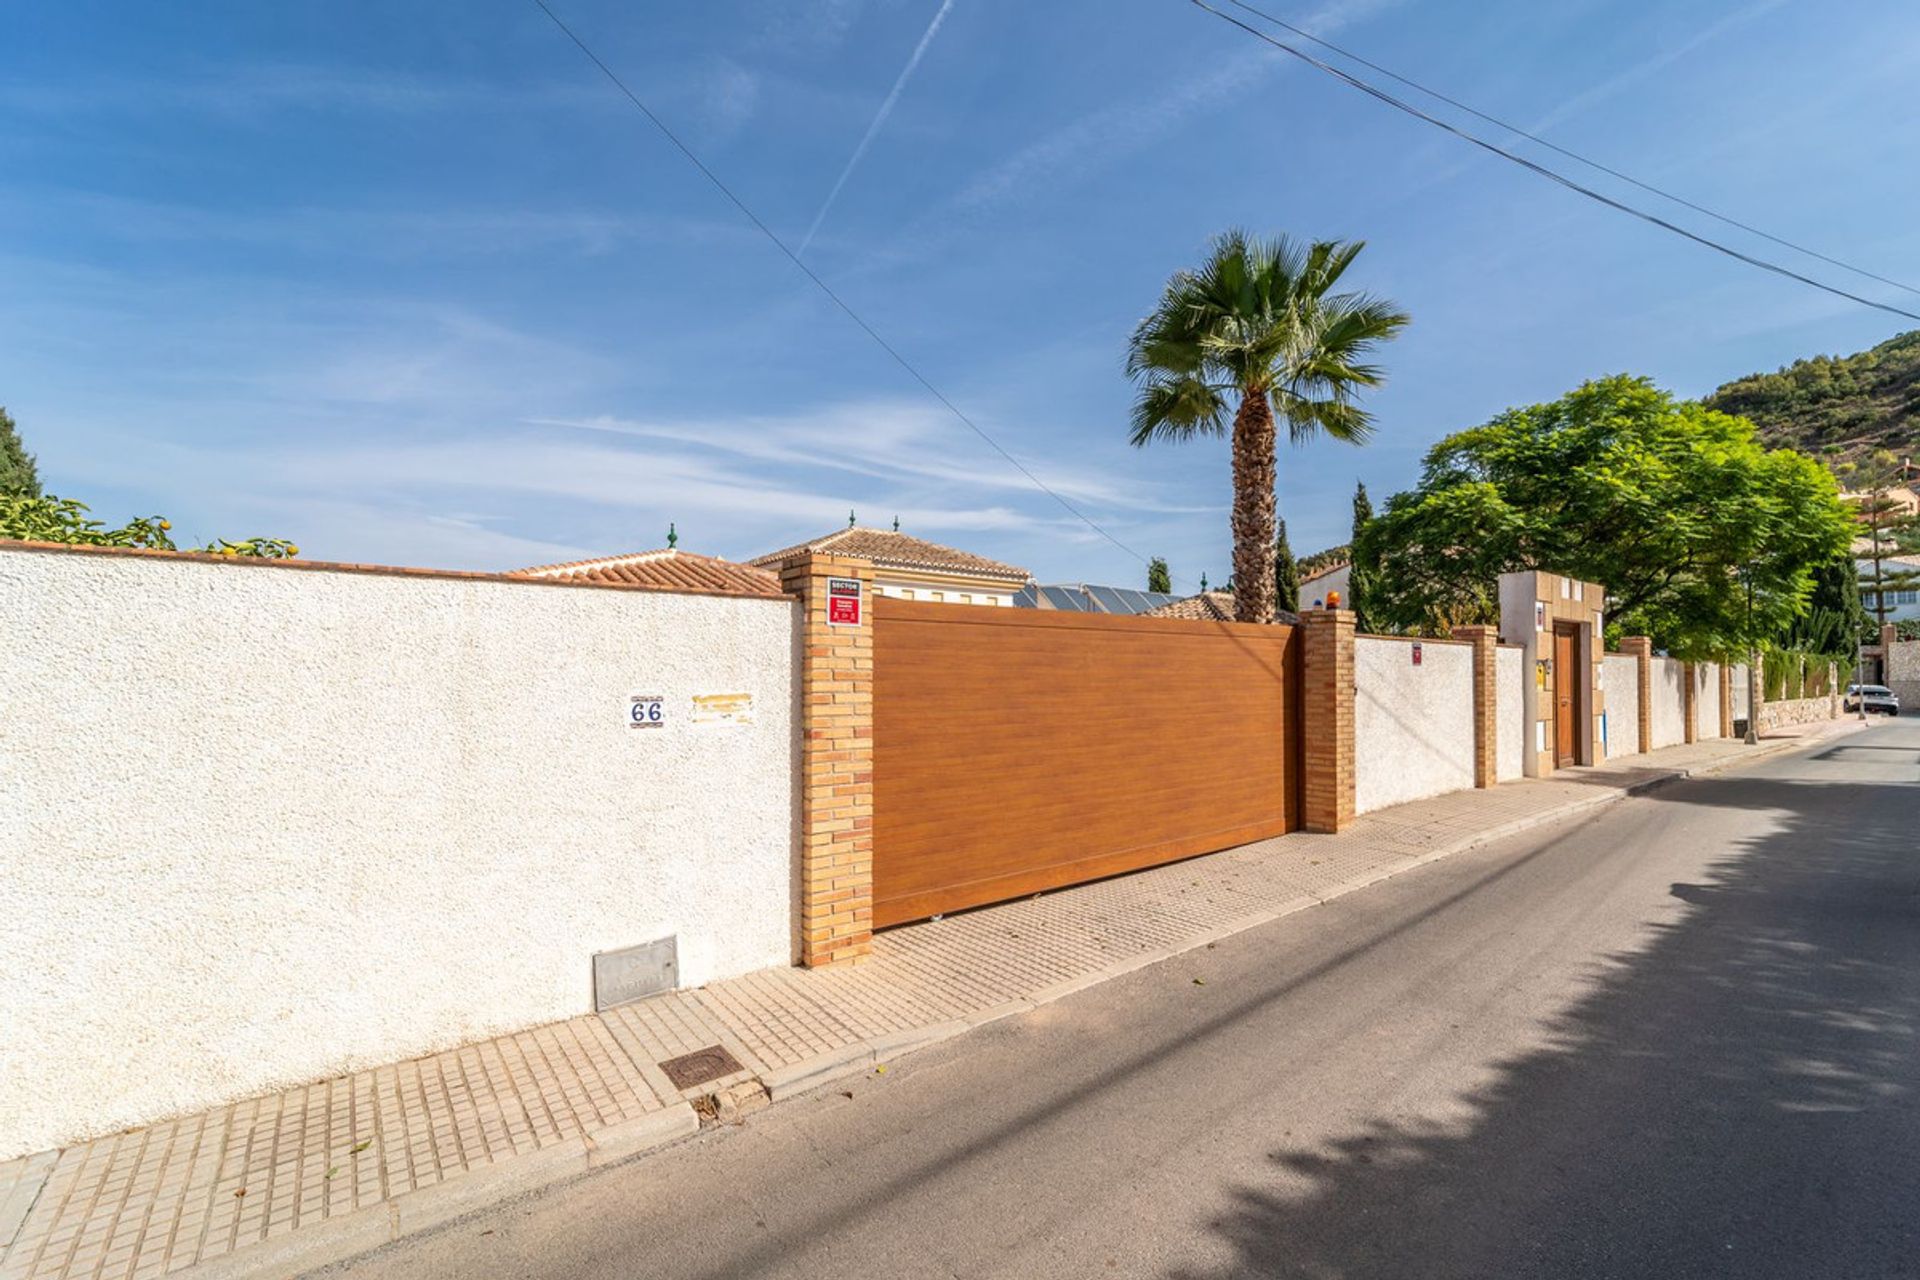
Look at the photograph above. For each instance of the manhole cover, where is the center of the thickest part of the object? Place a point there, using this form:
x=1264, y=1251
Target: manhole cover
x=702, y=1066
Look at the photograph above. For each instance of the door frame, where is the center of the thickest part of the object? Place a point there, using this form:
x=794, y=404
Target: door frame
x=1579, y=707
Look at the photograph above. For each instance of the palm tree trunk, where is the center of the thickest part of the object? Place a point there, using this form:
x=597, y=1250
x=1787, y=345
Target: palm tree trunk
x=1253, y=481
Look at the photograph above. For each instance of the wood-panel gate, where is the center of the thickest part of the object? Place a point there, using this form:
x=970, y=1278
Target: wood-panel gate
x=1016, y=750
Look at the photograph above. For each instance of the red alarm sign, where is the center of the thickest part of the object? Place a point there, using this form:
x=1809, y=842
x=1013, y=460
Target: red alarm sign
x=843, y=602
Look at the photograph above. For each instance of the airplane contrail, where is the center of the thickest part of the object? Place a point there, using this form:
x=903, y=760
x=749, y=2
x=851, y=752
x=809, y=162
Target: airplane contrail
x=879, y=119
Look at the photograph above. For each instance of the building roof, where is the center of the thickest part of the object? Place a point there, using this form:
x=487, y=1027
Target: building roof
x=889, y=549
x=1211, y=606
x=666, y=568
x=1208, y=606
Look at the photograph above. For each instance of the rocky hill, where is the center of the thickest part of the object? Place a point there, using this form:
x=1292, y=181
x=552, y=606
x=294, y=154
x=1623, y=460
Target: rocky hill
x=1836, y=405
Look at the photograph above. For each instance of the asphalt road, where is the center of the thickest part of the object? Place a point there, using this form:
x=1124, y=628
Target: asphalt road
x=1680, y=1038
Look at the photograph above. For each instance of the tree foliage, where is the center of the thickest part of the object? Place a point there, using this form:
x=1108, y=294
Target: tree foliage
x=1844, y=405
x=18, y=474
x=51, y=519
x=1257, y=331
x=1674, y=507
x=1286, y=573
x=1159, y=577
x=1887, y=527
x=1363, y=578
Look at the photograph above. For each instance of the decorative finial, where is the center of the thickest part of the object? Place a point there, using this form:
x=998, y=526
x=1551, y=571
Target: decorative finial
x=673, y=537
x=849, y=517
x=1203, y=582
x=896, y=524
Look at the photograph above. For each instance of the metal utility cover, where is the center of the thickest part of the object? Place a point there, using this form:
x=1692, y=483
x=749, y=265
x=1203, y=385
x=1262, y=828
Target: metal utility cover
x=633, y=973
x=702, y=1066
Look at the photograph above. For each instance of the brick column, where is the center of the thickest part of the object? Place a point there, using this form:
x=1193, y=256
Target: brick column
x=1327, y=712
x=1641, y=647
x=1726, y=699
x=1689, y=704
x=1833, y=676
x=836, y=763
x=1486, y=702
x=1759, y=703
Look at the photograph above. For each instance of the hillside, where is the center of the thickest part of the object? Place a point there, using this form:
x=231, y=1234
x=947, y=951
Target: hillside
x=1845, y=405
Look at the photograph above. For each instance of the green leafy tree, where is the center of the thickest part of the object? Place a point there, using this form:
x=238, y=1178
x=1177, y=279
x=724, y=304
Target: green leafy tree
x=51, y=519
x=1286, y=573
x=1675, y=508
x=1257, y=330
x=1364, y=574
x=1159, y=577
x=1835, y=621
x=18, y=474
x=1887, y=527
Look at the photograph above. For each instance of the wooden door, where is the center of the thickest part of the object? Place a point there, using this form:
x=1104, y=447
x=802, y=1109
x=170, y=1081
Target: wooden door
x=1566, y=696
x=1016, y=750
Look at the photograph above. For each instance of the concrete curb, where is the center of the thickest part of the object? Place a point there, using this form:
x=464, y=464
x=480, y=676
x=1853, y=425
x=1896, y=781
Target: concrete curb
x=352, y=1235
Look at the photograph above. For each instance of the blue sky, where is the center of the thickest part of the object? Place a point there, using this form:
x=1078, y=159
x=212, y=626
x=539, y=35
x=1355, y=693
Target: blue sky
x=411, y=284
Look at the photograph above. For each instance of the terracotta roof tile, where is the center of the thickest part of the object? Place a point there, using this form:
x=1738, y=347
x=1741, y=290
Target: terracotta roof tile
x=1211, y=606
x=671, y=569
x=893, y=550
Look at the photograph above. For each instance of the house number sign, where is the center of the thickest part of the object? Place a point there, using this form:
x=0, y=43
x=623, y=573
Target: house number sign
x=647, y=711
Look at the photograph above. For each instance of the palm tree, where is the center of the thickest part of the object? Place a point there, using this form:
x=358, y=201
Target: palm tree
x=1256, y=320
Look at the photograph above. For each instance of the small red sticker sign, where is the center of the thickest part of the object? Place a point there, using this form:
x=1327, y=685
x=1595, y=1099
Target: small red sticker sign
x=843, y=602
x=1416, y=653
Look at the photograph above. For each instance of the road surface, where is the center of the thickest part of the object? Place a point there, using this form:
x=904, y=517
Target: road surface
x=1679, y=1038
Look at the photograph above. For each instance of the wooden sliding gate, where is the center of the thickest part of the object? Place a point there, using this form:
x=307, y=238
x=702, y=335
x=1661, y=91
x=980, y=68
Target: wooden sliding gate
x=1016, y=750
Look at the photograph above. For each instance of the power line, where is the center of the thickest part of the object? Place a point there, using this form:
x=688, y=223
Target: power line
x=1572, y=155
x=1545, y=172
x=823, y=286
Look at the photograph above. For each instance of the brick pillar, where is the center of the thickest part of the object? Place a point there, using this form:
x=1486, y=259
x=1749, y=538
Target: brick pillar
x=836, y=763
x=1726, y=698
x=1833, y=675
x=1689, y=704
x=1641, y=647
x=1486, y=702
x=1759, y=703
x=1327, y=712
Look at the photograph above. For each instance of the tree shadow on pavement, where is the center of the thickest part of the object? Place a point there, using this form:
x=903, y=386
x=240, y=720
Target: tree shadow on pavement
x=1737, y=1098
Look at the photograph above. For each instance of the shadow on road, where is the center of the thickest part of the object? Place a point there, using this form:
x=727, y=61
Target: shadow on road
x=1736, y=1098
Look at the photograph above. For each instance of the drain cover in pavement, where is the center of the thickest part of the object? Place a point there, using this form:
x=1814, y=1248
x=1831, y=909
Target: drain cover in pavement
x=702, y=1066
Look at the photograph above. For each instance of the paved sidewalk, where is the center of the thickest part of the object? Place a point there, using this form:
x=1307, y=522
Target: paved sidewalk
x=293, y=1180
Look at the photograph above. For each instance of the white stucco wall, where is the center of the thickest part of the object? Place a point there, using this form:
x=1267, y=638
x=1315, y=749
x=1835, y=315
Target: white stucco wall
x=886, y=582
x=1620, y=677
x=1706, y=700
x=1510, y=674
x=269, y=824
x=1412, y=726
x=1669, y=715
x=1740, y=691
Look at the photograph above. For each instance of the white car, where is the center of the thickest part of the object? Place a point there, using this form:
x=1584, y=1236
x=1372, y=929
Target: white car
x=1877, y=698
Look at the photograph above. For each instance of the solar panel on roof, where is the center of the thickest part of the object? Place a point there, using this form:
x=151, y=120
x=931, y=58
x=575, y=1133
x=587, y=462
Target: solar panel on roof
x=1064, y=598
x=1026, y=598
x=1109, y=599
x=1155, y=599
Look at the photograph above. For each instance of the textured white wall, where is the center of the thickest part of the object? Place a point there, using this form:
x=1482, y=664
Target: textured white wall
x=1621, y=678
x=1510, y=708
x=1669, y=716
x=1740, y=691
x=1412, y=726
x=1706, y=700
x=269, y=824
